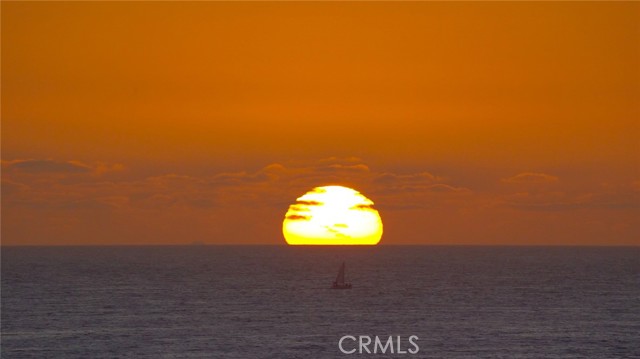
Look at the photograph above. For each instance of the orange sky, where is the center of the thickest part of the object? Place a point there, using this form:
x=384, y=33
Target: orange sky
x=466, y=123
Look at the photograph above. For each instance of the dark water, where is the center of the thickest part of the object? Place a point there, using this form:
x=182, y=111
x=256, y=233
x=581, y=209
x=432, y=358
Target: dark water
x=274, y=302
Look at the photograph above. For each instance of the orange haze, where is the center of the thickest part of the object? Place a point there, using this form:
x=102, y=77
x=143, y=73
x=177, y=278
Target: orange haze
x=466, y=123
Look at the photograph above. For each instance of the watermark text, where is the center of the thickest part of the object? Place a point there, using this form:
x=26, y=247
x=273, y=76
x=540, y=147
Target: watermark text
x=366, y=344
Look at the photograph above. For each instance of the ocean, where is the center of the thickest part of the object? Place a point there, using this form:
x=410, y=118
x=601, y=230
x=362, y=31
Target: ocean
x=276, y=301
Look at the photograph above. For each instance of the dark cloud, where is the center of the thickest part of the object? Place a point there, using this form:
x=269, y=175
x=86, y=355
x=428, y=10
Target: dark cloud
x=531, y=178
x=200, y=203
x=558, y=201
x=402, y=206
x=363, y=207
x=559, y=206
x=63, y=191
x=85, y=205
x=444, y=188
x=238, y=178
x=299, y=208
x=309, y=203
x=275, y=185
x=297, y=217
x=274, y=167
x=10, y=187
x=68, y=204
x=395, y=179
x=417, y=191
x=156, y=201
x=48, y=166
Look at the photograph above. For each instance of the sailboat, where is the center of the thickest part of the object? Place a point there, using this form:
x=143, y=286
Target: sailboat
x=339, y=283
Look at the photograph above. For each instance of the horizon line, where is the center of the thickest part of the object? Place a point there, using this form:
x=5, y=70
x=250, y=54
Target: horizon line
x=307, y=246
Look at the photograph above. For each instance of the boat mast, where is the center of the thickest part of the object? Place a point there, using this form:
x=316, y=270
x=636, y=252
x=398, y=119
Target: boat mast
x=340, y=277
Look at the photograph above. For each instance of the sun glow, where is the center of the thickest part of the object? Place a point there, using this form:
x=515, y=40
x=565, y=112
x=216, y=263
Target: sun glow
x=332, y=215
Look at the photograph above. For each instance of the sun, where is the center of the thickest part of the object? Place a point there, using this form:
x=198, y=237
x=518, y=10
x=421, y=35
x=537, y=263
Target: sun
x=332, y=215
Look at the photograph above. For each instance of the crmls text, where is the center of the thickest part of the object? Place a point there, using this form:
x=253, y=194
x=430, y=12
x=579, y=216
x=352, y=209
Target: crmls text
x=349, y=344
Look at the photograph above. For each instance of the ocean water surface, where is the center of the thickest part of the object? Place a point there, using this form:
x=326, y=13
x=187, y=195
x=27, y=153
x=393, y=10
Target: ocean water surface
x=275, y=301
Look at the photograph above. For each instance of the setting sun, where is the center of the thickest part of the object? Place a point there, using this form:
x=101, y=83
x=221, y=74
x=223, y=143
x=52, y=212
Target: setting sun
x=332, y=215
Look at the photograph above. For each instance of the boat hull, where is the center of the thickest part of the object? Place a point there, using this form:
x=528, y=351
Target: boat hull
x=341, y=286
